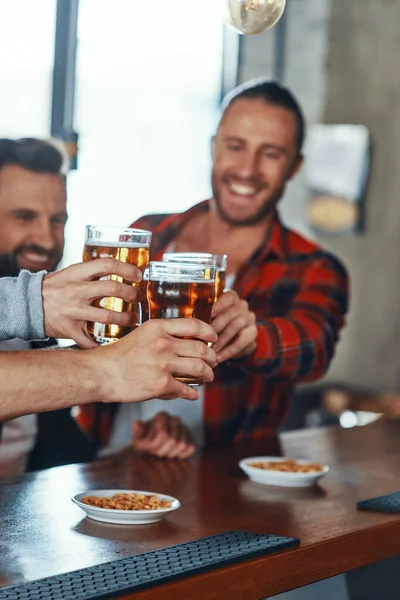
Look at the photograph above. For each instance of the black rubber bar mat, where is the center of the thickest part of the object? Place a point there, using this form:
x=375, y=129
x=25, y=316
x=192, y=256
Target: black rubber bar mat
x=389, y=503
x=131, y=574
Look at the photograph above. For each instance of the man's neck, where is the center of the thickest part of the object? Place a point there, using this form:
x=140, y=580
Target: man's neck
x=208, y=232
x=220, y=230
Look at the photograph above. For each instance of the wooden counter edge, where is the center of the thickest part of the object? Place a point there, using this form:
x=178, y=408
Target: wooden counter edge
x=283, y=571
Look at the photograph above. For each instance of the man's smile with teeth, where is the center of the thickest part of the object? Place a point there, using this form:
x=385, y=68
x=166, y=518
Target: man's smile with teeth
x=242, y=190
x=36, y=257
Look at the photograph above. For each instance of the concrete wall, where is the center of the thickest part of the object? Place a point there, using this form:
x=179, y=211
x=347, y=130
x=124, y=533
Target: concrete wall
x=306, y=25
x=363, y=86
x=342, y=62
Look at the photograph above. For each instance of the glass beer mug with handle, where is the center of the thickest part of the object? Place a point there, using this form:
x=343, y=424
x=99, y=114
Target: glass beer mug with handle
x=130, y=246
x=203, y=258
x=176, y=290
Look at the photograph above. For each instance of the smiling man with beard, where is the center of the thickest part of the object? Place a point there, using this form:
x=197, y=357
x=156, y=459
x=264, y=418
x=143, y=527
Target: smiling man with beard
x=33, y=213
x=33, y=208
x=279, y=323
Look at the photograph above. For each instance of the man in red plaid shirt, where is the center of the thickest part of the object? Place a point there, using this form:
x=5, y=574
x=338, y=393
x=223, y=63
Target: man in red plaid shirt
x=279, y=324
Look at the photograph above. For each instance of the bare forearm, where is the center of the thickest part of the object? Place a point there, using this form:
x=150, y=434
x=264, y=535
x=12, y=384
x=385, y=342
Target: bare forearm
x=139, y=367
x=40, y=381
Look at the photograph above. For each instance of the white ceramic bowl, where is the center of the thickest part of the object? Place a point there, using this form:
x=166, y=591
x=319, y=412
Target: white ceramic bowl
x=124, y=517
x=269, y=477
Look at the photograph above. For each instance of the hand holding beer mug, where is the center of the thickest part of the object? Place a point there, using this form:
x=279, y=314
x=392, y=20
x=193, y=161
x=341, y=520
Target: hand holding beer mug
x=68, y=295
x=236, y=326
x=127, y=245
x=219, y=261
x=143, y=363
x=181, y=290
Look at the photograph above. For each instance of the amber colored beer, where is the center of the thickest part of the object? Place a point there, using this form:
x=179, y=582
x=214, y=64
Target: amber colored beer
x=133, y=255
x=220, y=280
x=182, y=298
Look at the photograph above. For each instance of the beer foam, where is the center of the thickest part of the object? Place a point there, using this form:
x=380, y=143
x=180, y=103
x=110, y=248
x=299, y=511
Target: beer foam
x=176, y=279
x=102, y=244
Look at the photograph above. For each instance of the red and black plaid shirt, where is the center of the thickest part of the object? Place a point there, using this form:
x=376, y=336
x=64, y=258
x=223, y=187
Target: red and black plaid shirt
x=299, y=294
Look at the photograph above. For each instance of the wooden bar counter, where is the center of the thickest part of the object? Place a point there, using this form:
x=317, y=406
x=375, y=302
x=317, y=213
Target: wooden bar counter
x=43, y=533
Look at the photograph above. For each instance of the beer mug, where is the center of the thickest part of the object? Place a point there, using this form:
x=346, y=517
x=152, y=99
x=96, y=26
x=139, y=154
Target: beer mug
x=203, y=258
x=176, y=290
x=130, y=246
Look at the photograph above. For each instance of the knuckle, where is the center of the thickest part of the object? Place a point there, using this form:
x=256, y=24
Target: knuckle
x=208, y=373
x=199, y=327
x=163, y=380
x=194, y=366
x=213, y=358
x=122, y=266
x=235, y=348
x=162, y=345
x=125, y=319
x=242, y=338
x=164, y=366
x=111, y=287
x=241, y=321
x=131, y=292
x=162, y=437
x=198, y=366
x=194, y=325
x=109, y=317
x=204, y=368
x=73, y=290
x=201, y=349
x=110, y=264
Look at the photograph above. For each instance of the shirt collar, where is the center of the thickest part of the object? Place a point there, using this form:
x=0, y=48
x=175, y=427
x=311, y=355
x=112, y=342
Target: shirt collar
x=169, y=227
x=275, y=241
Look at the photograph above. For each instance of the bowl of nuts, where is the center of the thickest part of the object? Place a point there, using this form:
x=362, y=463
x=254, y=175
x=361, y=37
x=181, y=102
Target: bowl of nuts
x=125, y=507
x=288, y=472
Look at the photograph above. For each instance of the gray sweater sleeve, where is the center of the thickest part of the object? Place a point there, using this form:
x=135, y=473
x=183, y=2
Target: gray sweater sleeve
x=21, y=307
